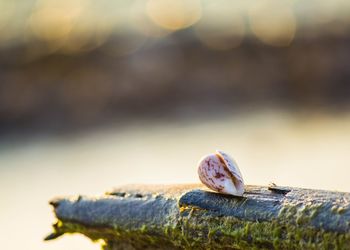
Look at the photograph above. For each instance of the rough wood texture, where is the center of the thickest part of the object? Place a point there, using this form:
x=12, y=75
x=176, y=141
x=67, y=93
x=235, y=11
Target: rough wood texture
x=191, y=217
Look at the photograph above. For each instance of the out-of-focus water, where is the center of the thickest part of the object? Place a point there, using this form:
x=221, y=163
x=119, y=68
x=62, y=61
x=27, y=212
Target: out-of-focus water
x=296, y=150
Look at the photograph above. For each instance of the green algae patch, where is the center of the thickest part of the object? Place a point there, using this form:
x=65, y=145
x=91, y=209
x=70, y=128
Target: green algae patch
x=280, y=233
x=137, y=238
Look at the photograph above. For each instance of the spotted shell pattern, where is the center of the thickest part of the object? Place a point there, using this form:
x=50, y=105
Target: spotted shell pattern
x=220, y=173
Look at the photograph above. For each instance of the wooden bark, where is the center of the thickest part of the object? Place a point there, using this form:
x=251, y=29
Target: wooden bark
x=192, y=217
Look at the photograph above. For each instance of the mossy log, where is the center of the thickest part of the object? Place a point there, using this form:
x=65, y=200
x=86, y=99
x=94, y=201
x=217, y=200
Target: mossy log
x=192, y=217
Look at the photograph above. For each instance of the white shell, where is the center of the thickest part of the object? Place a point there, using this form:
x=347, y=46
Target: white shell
x=220, y=173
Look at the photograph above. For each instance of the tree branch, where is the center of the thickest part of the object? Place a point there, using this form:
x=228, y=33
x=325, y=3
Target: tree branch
x=190, y=216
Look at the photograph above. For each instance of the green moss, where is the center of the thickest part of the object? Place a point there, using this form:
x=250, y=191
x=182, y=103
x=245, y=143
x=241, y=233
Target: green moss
x=143, y=229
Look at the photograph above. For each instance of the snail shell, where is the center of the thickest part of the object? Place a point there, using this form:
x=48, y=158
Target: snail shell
x=220, y=173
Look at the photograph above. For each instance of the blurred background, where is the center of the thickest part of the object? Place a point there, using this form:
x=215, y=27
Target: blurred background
x=95, y=94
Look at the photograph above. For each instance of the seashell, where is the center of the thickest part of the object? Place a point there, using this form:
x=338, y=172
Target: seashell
x=220, y=173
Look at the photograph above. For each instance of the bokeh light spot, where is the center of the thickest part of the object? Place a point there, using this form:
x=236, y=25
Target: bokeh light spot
x=50, y=23
x=273, y=22
x=174, y=15
x=53, y=20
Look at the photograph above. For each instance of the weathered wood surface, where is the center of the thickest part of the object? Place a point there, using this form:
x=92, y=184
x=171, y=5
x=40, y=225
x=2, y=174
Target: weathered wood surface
x=191, y=217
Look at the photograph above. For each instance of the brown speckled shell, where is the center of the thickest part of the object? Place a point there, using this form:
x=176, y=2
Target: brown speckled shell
x=220, y=173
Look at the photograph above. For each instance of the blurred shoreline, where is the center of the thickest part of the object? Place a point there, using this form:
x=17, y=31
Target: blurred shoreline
x=71, y=65
x=173, y=76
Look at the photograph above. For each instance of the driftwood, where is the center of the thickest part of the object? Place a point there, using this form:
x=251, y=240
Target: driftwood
x=191, y=217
